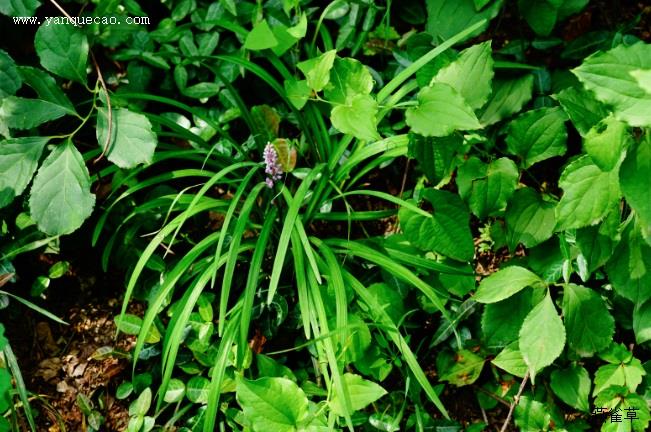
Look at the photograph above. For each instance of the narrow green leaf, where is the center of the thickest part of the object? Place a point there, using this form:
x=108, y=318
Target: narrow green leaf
x=20, y=113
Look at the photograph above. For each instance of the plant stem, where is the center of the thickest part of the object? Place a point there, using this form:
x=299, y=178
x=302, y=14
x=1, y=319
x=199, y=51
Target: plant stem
x=516, y=400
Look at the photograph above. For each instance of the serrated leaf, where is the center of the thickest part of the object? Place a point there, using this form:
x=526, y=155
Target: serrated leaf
x=510, y=359
x=487, y=187
x=508, y=97
x=629, y=268
x=471, y=74
x=436, y=157
x=608, y=75
x=19, y=8
x=132, y=140
x=317, y=70
x=542, y=336
x=272, y=404
x=46, y=88
x=10, y=81
x=588, y=194
x=348, y=78
x=589, y=325
x=538, y=135
x=441, y=110
x=446, y=232
x=529, y=219
x=635, y=181
x=572, y=386
x=642, y=322
x=21, y=113
x=261, y=37
x=501, y=321
x=362, y=393
x=605, y=142
x=504, y=283
x=357, y=118
x=627, y=374
x=446, y=18
x=582, y=108
x=63, y=50
x=531, y=416
x=18, y=161
x=60, y=199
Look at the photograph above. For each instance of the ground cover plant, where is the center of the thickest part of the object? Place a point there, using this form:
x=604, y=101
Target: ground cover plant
x=349, y=215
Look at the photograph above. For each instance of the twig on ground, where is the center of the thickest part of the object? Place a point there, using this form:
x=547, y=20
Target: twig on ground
x=516, y=400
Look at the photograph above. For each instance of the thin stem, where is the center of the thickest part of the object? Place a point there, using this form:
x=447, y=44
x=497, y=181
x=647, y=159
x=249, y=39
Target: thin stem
x=109, y=128
x=516, y=400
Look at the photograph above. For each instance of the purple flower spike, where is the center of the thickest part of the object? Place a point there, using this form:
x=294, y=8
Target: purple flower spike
x=272, y=168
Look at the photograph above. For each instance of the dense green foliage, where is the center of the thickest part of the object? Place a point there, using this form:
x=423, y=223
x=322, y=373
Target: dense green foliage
x=298, y=274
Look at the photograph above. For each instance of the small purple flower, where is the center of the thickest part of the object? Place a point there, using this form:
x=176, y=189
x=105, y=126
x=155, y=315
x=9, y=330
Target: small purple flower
x=272, y=168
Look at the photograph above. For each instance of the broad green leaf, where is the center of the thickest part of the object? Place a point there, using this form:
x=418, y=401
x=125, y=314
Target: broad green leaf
x=629, y=268
x=436, y=157
x=357, y=118
x=471, y=74
x=510, y=359
x=588, y=323
x=642, y=322
x=605, y=143
x=465, y=370
x=362, y=393
x=271, y=368
x=588, y=194
x=19, y=8
x=609, y=76
x=540, y=15
x=128, y=323
x=21, y=113
x=10, y=81
x=46, y=88
x=538, y=135
x=542, y=336
x=298, y=92
x=300, y=29
x=531, y=416
x=572, y=386
x=582, y=108
x=132, y=140
x=348, y=78
x=60, y=199
x=529, y=219
x=487, y=187
x=140, y=406
x=317, y=70
x=504, y=283
x=595, y=246
x=175, y=391
x=18, y=161
x=620, y=398
x=446, y=232
x=261, y=37
x=272, y=404
x=501, y=321
x=635, y=181
x=627, y=374
x=197, y=390
x=508, y=97
x=447, y=18
x=63, y=50
x=441, y=110
x=284, y=38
